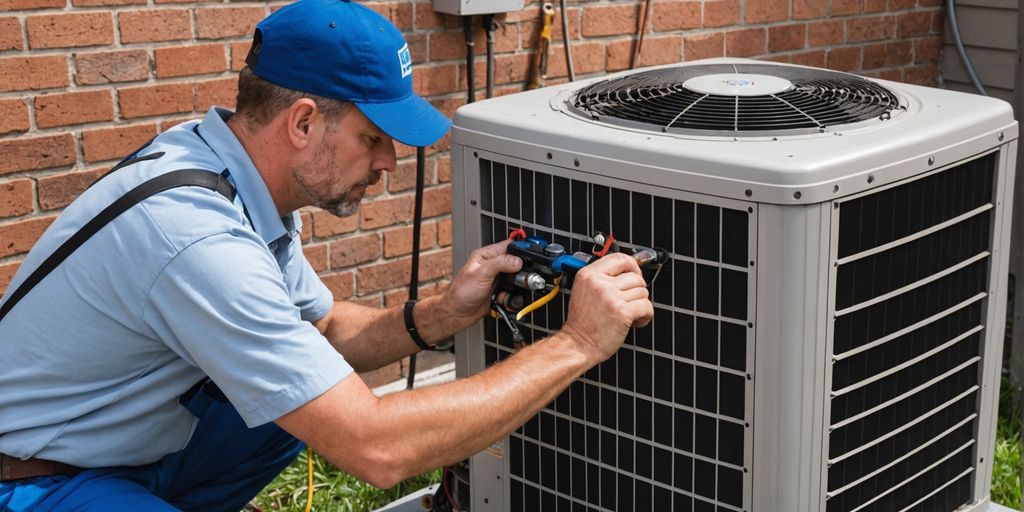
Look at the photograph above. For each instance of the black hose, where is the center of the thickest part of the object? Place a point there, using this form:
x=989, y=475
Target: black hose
x=467, y=29
x=414, y=274
x=490, y=27
x=566, y=39
x=960, y=48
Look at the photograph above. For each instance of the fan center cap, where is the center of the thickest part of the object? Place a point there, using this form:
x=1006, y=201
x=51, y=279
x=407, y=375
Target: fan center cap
x=737, y=84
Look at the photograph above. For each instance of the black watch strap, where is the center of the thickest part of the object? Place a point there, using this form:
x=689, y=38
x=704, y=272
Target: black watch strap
x=410, y=325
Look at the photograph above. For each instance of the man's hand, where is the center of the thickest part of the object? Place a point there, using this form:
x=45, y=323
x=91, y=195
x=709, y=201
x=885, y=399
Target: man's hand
x=470, y=292
x=608, y=297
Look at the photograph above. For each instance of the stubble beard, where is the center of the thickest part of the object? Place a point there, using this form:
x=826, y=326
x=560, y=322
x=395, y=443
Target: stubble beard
x=316, y=179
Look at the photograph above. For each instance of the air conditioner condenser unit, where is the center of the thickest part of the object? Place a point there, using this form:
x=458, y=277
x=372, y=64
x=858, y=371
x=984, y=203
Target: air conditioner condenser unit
x=827, y=332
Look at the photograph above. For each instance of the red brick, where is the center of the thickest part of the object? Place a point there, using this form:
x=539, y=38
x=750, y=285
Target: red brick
x=531, y=26
x=843, y=59
x=869, y=28
x=452, y=45
x=444, y=169
x=588, y=57
x=221, y=22
x=760, y=11
x=507, y=69
x=149, y=25
x=354, y=250
x=897, y=5
x=73, y=108
x=873, y=6
x=13, y=116
x=29, y=154
x=316, y=255
x=418, y=47
x=386, y=212
x=399, y=13
x=239, y=51
x=927, y=74
x=927, y=49
x=93, y=3
x=845, y=7
x=608, y=20
x=18, y=237
x=398, y=242
x=10, y=34
x=444, y=232
x=427, y=18
x=392, y=274
x=721, y=13
x=887, y=55
x=190, y=60
x=809, y=9
x=154, y=100
x=373, y=300
x=70, y=29
x=814, y=58
x=888, y=74
x=404, y=176
x=116, y=142
x=825, y=33
x=437, y=201
x=111, y=66
x=18, y=5
x=656, y=50
x=674, y=15
x=7, y=271
x=930, y=3
x=15, y=198
x=938, y=19
x=341, y=284
x=23, y=73
x=912, y=24
x=185, y=1
x=703, y=46
x=745, y=43
x=436, y=265
x=221, y=92
x=59, y=190
x=326, y=225
x=431, y=80
x=786, y=37
x=306, y=218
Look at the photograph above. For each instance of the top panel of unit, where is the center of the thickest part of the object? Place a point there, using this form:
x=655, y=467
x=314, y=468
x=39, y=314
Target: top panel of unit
x=471, y=7
x=739, y=128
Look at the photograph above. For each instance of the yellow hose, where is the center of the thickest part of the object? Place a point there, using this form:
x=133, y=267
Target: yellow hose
x=309, y=494
x=539, y=302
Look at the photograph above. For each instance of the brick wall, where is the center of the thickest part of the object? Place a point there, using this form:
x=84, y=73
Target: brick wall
x=83, y=82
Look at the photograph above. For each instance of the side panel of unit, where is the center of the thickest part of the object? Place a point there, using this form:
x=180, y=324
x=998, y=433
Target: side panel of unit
x=792, y=260
x=667, y=423
x=916, y=311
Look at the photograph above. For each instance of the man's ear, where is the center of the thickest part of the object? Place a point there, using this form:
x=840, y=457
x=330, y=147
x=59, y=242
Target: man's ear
x=303, y=120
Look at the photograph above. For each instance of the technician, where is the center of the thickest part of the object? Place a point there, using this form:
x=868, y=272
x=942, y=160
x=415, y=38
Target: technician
x=182, y=355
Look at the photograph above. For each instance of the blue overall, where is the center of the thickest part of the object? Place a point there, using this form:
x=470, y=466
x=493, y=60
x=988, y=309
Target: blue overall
x=223, y=466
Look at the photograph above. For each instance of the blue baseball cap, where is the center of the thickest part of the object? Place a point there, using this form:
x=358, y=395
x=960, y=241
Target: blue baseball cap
x=343, y=50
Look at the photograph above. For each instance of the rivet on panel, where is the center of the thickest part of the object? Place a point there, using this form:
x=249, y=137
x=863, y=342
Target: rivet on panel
x=796, y=195
x=748, y=192
x=871, y=178
x=1001, y=136
x=475, y=155
x=576, y=162
x=835, y=188
x=750, y=209
x=472, y=202
x=549, y=156
x=931, y=160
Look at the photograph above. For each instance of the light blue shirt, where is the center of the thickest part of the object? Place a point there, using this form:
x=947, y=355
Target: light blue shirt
x=180, y=287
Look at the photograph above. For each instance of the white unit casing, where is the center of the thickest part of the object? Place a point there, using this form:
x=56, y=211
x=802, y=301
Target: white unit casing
x=829, y=329
x=471, y=7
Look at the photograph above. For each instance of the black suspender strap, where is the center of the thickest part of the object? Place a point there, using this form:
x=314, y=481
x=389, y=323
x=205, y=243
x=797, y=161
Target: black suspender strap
x=173, y=179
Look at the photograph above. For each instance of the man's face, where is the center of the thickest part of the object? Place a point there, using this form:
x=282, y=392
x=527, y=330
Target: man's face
x=350, y=157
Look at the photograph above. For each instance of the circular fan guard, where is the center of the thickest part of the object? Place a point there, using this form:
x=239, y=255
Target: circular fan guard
x=657, y=100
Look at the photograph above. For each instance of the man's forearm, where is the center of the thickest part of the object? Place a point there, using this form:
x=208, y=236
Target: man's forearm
x=370, y=338
x=410, y=432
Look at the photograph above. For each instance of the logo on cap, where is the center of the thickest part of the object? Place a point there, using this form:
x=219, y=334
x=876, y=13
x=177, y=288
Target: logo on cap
x=405, y=61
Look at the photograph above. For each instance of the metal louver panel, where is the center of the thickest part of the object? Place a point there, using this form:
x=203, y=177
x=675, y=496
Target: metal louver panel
x=661, y=100
x=664, y=424
x=911, y=281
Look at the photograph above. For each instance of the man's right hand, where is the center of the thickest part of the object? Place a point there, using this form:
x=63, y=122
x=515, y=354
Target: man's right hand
x=608, y=297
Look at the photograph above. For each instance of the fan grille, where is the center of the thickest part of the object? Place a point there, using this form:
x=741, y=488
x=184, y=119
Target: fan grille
x=657, y=99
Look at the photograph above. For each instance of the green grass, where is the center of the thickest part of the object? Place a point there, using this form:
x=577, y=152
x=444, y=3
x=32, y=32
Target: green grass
x=333, y=489
x=1007, y=467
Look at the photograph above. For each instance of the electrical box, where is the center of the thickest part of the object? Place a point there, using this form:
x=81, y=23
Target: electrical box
x=471, y=7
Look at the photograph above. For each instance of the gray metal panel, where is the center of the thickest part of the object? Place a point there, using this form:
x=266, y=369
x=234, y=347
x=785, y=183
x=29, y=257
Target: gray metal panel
x=1006, y=95
x=790, y=364
x=989, y=64
x=997, y=4
x=985, y=27
x=470, y=7
x=993, y=348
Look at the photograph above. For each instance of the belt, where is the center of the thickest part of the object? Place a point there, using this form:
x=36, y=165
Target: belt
x=13, y=468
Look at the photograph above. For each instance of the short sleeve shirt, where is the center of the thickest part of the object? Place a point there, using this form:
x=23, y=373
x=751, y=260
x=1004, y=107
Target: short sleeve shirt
x=183, y=286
